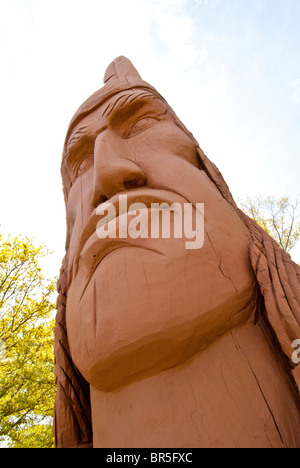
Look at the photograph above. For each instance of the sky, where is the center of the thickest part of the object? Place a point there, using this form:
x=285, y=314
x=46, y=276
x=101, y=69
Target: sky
x=230, y=69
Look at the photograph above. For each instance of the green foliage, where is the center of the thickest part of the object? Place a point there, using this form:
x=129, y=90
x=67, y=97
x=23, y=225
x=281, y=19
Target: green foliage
x=27, y=386
x=278, y=217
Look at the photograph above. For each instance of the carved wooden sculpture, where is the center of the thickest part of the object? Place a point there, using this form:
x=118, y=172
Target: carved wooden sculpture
x=158, y=345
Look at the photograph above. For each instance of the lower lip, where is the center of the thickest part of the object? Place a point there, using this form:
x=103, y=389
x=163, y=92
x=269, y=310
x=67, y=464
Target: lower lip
x=96, y=248
x=117, y=235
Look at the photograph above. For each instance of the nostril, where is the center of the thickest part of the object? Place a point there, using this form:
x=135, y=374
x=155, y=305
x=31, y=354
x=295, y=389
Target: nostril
x=134, y=182
x=98, y=199
x=130, y=184
x=102, y=199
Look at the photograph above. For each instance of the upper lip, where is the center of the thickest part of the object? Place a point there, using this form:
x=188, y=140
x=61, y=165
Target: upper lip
x=143, y=195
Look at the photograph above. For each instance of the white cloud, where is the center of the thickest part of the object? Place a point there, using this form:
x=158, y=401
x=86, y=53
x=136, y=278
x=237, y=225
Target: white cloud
x=202, y=55
x=200, y=3
x=175, y=30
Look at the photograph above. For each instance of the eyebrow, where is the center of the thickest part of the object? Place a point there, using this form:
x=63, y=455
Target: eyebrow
x=122, y=101
x=77, y=135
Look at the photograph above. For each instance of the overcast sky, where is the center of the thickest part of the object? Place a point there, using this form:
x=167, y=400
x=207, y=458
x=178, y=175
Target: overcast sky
x=229, y=68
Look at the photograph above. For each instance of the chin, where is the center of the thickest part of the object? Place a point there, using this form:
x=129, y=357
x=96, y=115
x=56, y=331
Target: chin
x=120, y=329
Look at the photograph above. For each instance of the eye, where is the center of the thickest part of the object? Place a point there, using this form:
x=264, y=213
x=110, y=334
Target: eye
x=141, y=125
x=83, y=166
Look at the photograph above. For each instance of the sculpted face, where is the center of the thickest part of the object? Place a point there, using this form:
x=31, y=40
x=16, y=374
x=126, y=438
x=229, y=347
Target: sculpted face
x=136, y=306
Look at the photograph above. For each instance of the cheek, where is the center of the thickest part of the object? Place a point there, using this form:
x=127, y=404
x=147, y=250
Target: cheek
x=79, y=201
x=167, y=165
x=79, y=208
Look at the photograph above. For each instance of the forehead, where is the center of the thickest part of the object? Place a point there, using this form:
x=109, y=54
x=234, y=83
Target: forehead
x=117, y=108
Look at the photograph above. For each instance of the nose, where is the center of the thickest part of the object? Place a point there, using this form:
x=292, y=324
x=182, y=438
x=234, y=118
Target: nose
x=113, y=171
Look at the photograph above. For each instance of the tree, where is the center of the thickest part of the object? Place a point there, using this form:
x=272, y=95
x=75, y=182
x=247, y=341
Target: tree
x=278, y=217
x=27, y=386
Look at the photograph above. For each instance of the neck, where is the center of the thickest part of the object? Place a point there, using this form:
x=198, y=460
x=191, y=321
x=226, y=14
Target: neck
x=235, y=393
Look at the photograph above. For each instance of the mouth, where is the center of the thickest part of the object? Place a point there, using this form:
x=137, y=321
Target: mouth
x=92, y=248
